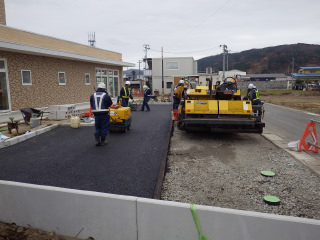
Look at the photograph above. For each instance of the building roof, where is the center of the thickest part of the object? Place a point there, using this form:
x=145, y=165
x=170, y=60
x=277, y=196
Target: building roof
x=301, y=75
x=309, y=68
x=269, y=75
x=14, y=40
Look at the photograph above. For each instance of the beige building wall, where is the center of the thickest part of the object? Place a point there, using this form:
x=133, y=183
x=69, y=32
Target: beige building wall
x=3, y=20
x=45, y=89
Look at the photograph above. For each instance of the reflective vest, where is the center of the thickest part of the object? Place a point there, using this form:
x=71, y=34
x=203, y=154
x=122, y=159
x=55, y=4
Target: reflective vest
x=125, y=93
x=257, y=94
x=98, y=102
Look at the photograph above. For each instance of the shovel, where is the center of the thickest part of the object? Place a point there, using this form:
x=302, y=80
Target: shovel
x=196, y=221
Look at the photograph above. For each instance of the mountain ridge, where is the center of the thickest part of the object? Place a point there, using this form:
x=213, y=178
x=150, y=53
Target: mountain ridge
x=276, y=59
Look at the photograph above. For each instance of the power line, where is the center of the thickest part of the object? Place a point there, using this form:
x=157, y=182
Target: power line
x=203, y=50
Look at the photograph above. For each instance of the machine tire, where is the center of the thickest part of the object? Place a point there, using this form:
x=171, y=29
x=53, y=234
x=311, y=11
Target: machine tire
x=180, y=125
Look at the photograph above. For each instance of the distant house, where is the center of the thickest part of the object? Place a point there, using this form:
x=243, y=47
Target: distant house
x=38, y=71
x=308, y=74
x=173, y=70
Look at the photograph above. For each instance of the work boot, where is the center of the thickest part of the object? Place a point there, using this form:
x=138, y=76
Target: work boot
x=98, y=141
x=103, y=141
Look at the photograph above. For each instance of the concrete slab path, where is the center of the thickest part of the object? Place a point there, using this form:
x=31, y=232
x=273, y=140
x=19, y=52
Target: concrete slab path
x=67, y=157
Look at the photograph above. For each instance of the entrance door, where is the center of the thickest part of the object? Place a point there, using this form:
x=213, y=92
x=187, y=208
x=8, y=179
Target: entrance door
x=4, y=93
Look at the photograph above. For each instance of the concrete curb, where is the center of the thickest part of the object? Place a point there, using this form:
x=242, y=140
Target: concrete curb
x=108, y=216
x=305, y=158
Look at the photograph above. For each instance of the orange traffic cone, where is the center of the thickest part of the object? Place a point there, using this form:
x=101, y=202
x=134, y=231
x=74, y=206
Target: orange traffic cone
x=310, y=129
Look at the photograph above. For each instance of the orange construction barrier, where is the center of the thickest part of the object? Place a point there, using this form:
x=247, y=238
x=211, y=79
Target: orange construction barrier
x=305, y=146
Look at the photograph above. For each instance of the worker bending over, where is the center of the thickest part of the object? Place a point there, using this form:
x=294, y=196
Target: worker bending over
x=177, y=94
x=125, y=94
x=146, y=98
x=253, y=94
x=100, y=102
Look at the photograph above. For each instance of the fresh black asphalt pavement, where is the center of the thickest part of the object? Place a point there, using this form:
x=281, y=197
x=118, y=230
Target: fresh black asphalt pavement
x=67, y=157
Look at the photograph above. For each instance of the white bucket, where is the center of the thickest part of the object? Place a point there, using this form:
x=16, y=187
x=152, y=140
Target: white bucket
x=75, y=122
x=294, y=145
x=34, y=122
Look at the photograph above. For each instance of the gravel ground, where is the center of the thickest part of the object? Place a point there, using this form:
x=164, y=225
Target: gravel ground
x=224, y=171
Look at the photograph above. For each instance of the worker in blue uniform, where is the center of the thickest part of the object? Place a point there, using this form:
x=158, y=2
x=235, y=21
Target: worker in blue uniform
x=146, y=98
x=125, y=94
x=100, y=102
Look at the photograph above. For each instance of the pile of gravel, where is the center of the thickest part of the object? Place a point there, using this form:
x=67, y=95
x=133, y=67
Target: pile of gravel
x=223, y=170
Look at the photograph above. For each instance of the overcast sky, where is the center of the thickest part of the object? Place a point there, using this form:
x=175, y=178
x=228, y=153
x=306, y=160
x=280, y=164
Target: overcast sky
x=184, y=28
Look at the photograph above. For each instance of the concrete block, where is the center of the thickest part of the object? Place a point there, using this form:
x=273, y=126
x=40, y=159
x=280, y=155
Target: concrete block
x=53, y=108
x=159, y=220
x=40, y=131
x=51, y=127
x=22, y=138
x=12, y=141
x=52, y=115
x=69, y=212
x=30, y=134
x=6, y=143
x=2, y=145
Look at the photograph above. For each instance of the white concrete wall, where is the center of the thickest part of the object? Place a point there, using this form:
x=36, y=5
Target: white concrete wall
x=186, y=67
x=106, y=216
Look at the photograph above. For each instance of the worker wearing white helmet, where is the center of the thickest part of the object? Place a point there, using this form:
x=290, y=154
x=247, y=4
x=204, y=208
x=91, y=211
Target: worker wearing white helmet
x=146, y=98
x=177, y=94
x=100, y=102
x=125, y=94
x=253, y=94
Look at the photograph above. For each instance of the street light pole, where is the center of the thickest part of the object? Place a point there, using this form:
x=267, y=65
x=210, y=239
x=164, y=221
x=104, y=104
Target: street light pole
x=162, y=92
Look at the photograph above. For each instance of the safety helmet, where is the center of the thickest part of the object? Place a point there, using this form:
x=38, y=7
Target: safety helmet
x=127, y=83
x=145, y=87
x=181, y=81
x=101, y=85
x=250, y=86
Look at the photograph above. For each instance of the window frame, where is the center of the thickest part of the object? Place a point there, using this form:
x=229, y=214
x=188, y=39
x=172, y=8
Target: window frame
x=172, y=62
x=65, y=80
x=30, y=82
x=85, y=79
x=171, y=84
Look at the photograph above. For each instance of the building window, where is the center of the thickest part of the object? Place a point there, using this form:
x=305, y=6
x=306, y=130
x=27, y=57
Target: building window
x=172, y=65
x=169, y=85
x=87, y=78
x=26, y=77
x=62, y=78
x=110, y=78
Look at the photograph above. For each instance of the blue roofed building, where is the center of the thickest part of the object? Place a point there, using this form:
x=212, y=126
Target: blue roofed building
x=308, y=74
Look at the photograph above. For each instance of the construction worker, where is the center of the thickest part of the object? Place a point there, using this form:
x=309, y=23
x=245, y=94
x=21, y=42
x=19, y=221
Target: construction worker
x=253, y=94
x=177, y=94
x=146, y=98
x=125, y=94
x=100, y=102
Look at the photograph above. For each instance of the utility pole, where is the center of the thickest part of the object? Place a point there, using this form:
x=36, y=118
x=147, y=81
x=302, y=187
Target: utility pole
x=225, y=50
x=228, y=60
x=162, y=91
x=292, y=64
x=146, y=48
x=139, y=67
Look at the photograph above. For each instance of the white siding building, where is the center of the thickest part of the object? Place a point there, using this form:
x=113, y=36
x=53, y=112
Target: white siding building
x=173, y=70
